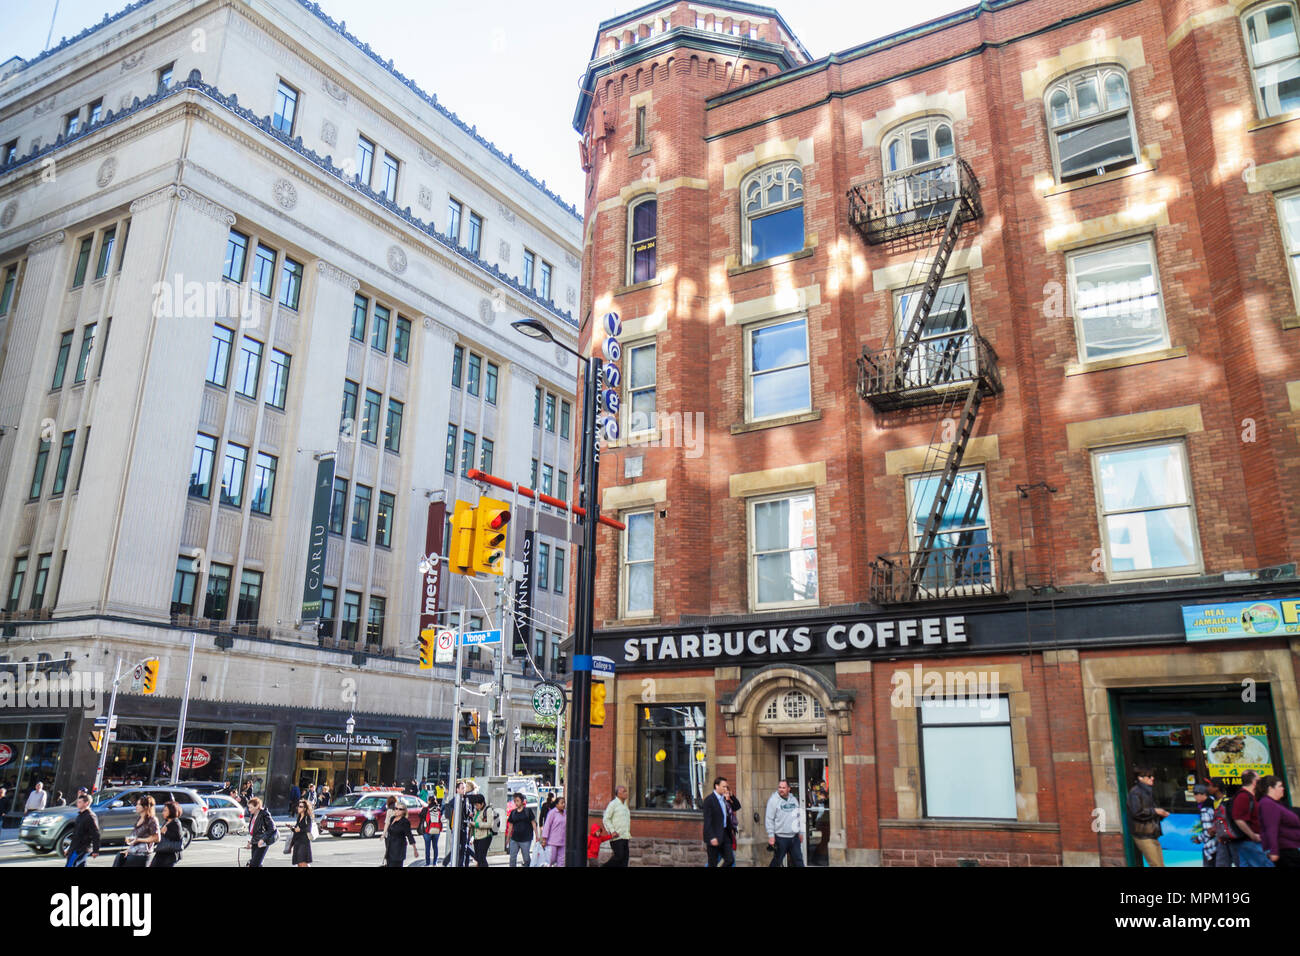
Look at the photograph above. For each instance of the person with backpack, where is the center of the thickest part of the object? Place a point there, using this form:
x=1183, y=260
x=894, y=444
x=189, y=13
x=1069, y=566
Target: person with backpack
x=262, y=831
x=523, y=830
x=85, y=833
x=485, y=823
x=1243, y=820
x=430, y=824
x=1206, y=835
x=1279, y=825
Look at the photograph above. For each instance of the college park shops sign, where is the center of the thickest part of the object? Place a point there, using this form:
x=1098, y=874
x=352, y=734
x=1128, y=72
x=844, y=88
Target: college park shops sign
x=1011, y=627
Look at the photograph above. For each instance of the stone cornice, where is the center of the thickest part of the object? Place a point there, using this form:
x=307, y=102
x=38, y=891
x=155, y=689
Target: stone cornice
x=205, y=206
x=46, y=242
x=444, y=332
x=336, y=274
x=524, y=374
x=152, y=199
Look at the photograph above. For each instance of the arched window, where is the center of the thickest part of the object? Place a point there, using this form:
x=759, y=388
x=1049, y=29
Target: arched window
x=917, y=144
x=1274, y=50
x=1090, y=116
x=642, y=228
x=772, y=199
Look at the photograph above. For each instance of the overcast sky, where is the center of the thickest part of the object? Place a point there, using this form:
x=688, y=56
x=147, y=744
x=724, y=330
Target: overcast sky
x=511, y=67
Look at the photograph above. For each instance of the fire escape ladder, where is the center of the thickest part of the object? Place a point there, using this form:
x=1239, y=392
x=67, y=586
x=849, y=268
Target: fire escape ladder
x=925, y=302
x=952, y=349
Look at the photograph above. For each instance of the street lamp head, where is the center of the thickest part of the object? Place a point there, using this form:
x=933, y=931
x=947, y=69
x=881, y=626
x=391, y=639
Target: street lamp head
x=534, y=329
x=351, y=725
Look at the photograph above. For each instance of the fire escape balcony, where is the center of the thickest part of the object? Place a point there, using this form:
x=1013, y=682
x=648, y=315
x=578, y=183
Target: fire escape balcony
x=914, y=202
x=929, y=372
x=941, y=574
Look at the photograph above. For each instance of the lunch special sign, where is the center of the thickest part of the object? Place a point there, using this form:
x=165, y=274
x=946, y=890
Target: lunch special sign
x=1267, y=618
x=1232, y=749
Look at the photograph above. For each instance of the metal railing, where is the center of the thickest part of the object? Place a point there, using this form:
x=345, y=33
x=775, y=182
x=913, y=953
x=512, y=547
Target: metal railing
x=887, y=381
x=976, y=570
x=909, y=203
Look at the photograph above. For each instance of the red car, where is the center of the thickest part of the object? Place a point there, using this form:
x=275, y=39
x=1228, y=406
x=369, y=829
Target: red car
x=366, y=816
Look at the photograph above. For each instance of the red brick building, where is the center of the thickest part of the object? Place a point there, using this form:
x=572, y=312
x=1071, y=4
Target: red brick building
x=960, y=390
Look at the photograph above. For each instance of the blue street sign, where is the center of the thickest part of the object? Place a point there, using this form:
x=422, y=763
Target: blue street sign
x=470, y=638
x=602, y=665
x=102, y=722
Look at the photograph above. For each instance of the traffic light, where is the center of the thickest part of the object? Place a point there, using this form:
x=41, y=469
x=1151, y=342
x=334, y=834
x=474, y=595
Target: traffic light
x=96, y=740
x=427, y=637
x=490, y=520
x=460, y=551
x=469, y=725
x=598, y=703
x=150, y=681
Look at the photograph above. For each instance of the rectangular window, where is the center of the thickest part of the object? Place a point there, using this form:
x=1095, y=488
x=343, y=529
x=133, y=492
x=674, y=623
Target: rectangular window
x=360, y=305
x=777, y=360
x=81, y=468
x=249, y=368
x=475, y=370
x=537, y=407
x=370, y=420
x=236, y=256
x=7, y=290
x=250, y=598
x=402, y=340
x=70, y=123
x=1116, y=297
x=532, y=479
x=966, y=756
x=263, y=483
x=638, y=564
x=375, y=621
x=453, y=221
x=379, y=334
x=38, y=472
x=16, y=584
x=263, y=276
x=671, y=749
x=467, y=442
x=216, y=604
x=562, y=486
x=961, y=559
x=485, y=456
x=41, y=581
x=232, y=475
x=530, y=266
x=543, y=565
x=548, y=478
x=550, y=412
x=65, y=462
x=641, y=378
x=83, y=260
x=205, y=453
x=290, y=283
x=365, y=159
x=449, y=465
x=559, y=570
x=389, y=185
x=164, y=76
x=286, y=107
x=184, y=586
x=328, y=609
x=1271, y=42
x=1148, y=525
x=106, y=243
x=457, y=364
x=338, y=505
x=121, y=257
x=475, y=233
x=640, y=126
x=783, y=551
x=351, y=614
x=547, y=271
x=348, y=416
x=277, y=382
x=493, y=373
x=361, y=513
x=947, y=325
x=393, y=428
x=83, y=360
x=219, y=355
x=61, y=363
x=1288, y=213
x=384, y=519
x=566, y=417
x=10, y=153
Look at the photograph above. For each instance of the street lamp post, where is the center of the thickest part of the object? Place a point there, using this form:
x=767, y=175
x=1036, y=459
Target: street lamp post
x=347, y=758
x=578, y=776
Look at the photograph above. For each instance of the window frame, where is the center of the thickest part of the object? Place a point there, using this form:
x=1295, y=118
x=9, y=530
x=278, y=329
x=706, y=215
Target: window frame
x=379, y=328
x=455, y=216
x=242, y=370
x=624, y=564
x=360, y=516
x=1252, y=67
x=211, y=458
x=492, y=373
x=43, y=448
x=370, y=422
x=393, y=436
x=61, y=360
x=337, y=522
x=361, y=309
x=365, y=158
x=749, y=331
x=648, y=244
x=223, y=495
x=291, y=279
x=277, y=114
x=235, y=241
x=87, y=349
x=1069, y=83
x=391, y=168
x=402, y=340
x=385, y=513
x=751, y=552
x=922, y=726
x=1290, y=244
x=229, y=344
x=903, y=134
x=1071, y=285
x=63, y=464
x=264, y=469
x=644, y=740
x=83, y=261
x=767, y=208
x=475, y=241
x=277, y=379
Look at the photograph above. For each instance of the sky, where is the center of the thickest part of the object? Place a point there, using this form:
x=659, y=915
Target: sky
x=511, y=67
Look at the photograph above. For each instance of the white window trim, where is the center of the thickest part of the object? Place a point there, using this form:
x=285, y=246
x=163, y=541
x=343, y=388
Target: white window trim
x=1070, y=257
x=631, y=213
x=1251, y=66
x=623, y=611
x=746, y=218
x=653, y=428
x=750, y=329
x=904, y=131
x=1067, y=83
x=1155, y=573
x=751, y=558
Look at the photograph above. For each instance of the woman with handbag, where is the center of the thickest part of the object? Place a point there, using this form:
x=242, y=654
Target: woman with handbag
x=397, y=834
x=303, y=834
x=261, y=831
x=168, y=850
x=143, y=836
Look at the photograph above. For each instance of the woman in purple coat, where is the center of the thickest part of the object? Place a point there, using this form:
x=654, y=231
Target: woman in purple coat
x=553, y=833
x=1280, y=824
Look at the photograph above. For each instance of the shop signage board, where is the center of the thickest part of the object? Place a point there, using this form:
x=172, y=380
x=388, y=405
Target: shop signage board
x=6, y=754
x=548, y=699
x=1217, y=622
x=320, y=517
x=1232, y=749
x=360, y=742
x=194, y=757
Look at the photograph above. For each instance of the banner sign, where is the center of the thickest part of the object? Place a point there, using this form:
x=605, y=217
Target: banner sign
x=1231, y=749
x=1215, y=622
x=523, y=614
x=320, y=520
x=432, y=584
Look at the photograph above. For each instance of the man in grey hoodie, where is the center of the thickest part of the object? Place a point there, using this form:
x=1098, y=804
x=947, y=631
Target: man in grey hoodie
x=785, y=825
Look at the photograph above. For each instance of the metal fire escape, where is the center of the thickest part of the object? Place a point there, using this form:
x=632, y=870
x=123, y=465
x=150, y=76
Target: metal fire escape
x=955, y=370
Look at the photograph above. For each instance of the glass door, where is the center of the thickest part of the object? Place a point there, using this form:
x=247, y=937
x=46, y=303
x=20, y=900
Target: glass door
x=807, y=768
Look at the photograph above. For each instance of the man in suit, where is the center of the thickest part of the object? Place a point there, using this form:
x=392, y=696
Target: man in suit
x=717, y=841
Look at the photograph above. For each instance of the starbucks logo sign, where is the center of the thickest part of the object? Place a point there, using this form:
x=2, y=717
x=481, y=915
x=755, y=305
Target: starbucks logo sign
x=548, y=700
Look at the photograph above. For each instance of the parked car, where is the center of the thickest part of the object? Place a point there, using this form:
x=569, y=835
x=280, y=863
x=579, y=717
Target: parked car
x=51, y=828
x=366, y=817
x=225, y=814
x=343, y=800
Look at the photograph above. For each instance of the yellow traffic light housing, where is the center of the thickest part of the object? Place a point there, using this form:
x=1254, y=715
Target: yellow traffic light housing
x=150, y=680
x=469, y=725
x=473, y=725
x=427, y=638
x=96, y=740
x=491, y=520
x=460, y=551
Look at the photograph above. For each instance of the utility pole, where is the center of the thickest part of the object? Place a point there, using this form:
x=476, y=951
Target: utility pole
x=185, y=709
x=455, y=751
x=108, y=729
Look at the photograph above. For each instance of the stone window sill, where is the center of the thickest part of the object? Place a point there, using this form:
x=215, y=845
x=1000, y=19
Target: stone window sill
x=633, y=439
x=1145, y=166
x=958, y=824
x=740, y=428
x=624, y=622
x=1291, y=322
x=638, y=150
x=1278, y=120
x=775, y=261
x=638, y=286
x=1122, y=361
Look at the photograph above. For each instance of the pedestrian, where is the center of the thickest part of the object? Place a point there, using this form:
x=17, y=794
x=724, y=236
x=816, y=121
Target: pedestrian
x=785, y=822
x=59, y=801
x=1222, y=835
x=618, y=824
x=323, y=800
x=430, y=826
x=597, y=836
x=412, y=789
x=546, y=808
x=144, y=834
x=448, y=810
x=1207, y=836
x=171, y=839
x=485, y=823
x=733, y=816
x=389, y=806
x=1144, y=817
x=717, y=841
x=523, y=830
x=85, y=833
x=311, y=796
x=553, y=833
x=4, y=799
x=295, y=794
x=37, y=798
x=1279, y=825
x=397, y=834
x=300, y=842
x=261, y=831
x=1244, y=817
x=440, y=791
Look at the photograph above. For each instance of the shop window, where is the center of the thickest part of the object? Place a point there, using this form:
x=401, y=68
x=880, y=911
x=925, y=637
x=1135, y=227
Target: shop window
x=1274, y=51
x=1090, y=117
x=783, y=551
x=1148, y=523
x=966, y=762
x=772, y=200
x=672, y=757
